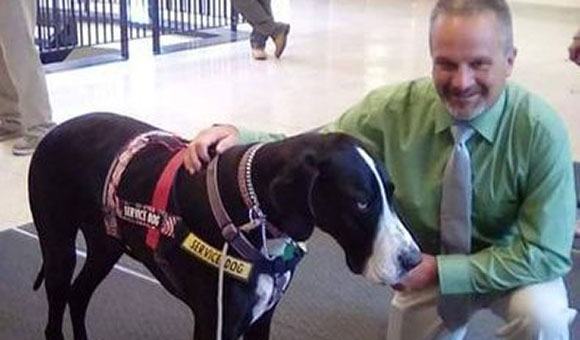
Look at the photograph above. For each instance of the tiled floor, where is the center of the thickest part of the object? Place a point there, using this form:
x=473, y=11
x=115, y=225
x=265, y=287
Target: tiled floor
x=338, y=50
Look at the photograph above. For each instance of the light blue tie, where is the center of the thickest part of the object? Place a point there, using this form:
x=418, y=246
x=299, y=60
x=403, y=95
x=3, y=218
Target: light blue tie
x=456, y=195
x=456, y=221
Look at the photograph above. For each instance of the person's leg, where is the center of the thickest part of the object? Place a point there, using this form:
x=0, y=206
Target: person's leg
x=267, y=6
x=414, y=316
x=254, y=13
x=259, y=39
x=10, y=124
x=17, y=23
x=536, y=312
x=259, y=14
x=258, y=44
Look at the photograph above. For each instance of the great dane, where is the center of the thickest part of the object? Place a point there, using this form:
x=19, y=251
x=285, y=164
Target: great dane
x=236, y=228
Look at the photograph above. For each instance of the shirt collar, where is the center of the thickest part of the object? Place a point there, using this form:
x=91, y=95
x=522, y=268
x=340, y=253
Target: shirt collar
x=486, y=124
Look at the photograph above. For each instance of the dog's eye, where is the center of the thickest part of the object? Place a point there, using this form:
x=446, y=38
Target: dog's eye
x=362, y=206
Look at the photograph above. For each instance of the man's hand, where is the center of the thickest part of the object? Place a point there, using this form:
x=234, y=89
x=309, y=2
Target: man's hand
x=222, y=137
x=574, y=49
x=420, y=277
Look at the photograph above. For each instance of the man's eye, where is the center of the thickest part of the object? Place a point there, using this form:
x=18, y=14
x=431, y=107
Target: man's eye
x=480, y=65
x=446, y=66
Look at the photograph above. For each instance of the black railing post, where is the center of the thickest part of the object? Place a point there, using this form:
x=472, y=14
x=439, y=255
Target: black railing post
x=124, y=22
x=156, y=26
x=233, y=18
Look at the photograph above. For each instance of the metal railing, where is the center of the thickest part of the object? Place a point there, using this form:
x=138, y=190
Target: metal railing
x=64, y=26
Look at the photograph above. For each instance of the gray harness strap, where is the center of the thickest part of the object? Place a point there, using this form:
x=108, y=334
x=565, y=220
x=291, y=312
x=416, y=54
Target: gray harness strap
x=234, y=235
x=229, y=231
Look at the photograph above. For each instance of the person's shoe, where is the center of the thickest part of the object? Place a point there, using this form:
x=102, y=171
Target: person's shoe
x=259, y=54
x=6, y=133
x=26, y=145
x=280, y=39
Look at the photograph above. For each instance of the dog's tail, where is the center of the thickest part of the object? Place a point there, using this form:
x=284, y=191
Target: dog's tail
x=39, y=279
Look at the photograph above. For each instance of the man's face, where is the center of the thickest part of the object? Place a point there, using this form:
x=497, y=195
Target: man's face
x=470, y=62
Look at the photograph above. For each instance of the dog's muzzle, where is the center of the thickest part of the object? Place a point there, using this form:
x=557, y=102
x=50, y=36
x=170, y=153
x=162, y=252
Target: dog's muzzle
x=395, y=253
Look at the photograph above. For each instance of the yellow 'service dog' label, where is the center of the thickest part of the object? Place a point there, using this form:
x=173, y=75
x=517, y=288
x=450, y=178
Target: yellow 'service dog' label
x=235, y=267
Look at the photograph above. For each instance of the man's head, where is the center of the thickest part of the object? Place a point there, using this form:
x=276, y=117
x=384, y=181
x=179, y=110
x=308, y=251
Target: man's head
x=472, y=49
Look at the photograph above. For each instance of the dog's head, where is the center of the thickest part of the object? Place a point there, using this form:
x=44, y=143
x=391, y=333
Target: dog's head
x=332, y=182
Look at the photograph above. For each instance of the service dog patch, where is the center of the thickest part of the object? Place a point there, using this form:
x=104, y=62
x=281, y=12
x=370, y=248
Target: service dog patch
x=148, y=216
x=235, y=267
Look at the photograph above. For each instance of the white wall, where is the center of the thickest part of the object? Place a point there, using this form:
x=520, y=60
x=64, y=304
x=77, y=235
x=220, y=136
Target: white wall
x=565, y=3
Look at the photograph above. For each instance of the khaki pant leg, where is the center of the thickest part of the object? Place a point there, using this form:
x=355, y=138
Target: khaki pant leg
x=413, y=316
x=22, y=63
x=535, y=312
x=9, y=113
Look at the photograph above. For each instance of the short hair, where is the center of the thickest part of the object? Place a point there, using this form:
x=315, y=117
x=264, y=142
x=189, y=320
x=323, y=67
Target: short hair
x=470, y=7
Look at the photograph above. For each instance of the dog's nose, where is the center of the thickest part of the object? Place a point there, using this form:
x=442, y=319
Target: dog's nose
x=410, y=258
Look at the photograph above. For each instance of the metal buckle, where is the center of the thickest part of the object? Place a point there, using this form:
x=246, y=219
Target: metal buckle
x=256, y=214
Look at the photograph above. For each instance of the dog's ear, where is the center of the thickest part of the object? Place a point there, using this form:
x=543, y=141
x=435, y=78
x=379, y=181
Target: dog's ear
x=290, y=193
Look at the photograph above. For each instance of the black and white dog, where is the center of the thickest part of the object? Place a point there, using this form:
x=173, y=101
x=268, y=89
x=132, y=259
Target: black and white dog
x=121, y=183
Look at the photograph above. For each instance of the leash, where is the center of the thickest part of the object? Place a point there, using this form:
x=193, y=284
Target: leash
x=220, y=296
x=229, y=232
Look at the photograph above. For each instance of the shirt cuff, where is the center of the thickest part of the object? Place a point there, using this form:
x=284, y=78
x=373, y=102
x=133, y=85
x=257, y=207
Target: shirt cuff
x=251, y=136
x=454, y=274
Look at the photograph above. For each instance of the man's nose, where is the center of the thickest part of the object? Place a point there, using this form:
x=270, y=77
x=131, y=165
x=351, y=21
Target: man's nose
x=463, y=78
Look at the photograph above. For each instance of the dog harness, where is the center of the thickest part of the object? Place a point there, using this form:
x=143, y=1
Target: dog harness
x=153, y=216
x=159, y=222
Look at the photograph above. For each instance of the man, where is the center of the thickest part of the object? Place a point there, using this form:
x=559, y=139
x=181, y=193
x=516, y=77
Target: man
x=519, y=229
x=259, y=14
x=574, y=54
x=574, y=49
x=25, y=111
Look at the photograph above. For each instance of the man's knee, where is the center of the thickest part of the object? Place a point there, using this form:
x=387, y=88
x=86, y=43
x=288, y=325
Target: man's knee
x=537, y=324
x=537, y=312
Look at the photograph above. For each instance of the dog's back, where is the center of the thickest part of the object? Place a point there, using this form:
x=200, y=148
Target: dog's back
x=76, y=154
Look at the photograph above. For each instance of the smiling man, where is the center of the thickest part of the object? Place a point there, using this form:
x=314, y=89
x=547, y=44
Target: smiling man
x=473, y=54
x=483, y=177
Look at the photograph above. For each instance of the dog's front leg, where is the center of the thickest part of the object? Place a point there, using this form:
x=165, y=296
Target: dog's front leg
x=260, y=329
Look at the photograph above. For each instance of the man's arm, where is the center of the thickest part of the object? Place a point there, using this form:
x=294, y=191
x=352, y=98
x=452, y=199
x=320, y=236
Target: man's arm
x=219, y=138
x=541, y=250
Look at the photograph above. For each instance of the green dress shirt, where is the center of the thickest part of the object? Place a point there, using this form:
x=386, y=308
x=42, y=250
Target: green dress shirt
x=523, y=187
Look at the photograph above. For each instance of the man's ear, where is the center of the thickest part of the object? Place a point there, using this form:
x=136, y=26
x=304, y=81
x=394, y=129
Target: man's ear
x=510, y=60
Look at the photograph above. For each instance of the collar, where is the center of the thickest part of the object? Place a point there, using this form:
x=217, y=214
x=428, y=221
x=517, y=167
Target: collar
x=486, y=124
x=232, y=233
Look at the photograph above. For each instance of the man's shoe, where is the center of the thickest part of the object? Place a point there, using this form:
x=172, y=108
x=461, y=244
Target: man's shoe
x=280, y=39
x=259, y=54
x=6, y=133
x=26, y=145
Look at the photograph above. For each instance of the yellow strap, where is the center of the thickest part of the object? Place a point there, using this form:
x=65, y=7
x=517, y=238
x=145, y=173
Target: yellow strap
x=233, y=266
